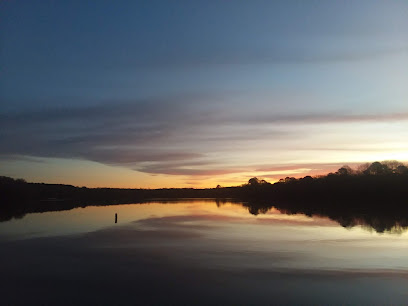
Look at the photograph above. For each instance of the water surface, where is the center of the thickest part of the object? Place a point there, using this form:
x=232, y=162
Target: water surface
x=197, y=252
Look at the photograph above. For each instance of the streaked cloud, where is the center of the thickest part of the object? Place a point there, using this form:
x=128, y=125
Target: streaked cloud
x=166, y=137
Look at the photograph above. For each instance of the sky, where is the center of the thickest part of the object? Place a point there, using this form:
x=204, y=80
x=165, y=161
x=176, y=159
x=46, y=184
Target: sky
x=151, y=94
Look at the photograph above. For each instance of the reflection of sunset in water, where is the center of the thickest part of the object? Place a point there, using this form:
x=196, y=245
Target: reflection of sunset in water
x=96, y=217
x=92, y=218
x=213, y=238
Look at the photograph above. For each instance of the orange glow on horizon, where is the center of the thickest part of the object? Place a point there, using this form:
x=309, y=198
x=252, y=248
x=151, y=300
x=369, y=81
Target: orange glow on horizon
x=91, y=174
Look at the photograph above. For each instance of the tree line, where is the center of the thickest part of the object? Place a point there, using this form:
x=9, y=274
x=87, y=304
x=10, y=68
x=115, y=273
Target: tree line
x=378, y=186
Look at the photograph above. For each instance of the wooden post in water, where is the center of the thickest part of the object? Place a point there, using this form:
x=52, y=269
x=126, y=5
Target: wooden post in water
x=116, y=218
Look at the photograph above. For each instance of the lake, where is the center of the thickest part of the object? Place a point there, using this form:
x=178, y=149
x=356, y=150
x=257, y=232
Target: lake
x=197, y=252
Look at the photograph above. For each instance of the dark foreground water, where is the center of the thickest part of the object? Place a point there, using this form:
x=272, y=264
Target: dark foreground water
x=197, y=253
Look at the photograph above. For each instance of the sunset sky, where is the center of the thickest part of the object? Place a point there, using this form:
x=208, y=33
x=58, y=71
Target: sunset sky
x=199, y=93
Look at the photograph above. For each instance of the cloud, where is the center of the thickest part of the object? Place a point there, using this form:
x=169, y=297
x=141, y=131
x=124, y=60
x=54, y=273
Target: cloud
x=176, y=136
x=291, y=55
x=296, y=167
x=319, y=118
x=174, y=170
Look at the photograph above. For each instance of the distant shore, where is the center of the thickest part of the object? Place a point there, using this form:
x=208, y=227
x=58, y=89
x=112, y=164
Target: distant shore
x=376, y=190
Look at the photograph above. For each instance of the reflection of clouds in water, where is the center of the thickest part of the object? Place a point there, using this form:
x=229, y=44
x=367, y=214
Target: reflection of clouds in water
x=228, y=241
x=199, y=259
x=91, y=217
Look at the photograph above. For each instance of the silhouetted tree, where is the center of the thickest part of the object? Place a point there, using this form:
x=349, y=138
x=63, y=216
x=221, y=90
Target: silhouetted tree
x=401, y=169
x=362, y=168
x=392, y=164
x=254, y=181
x=345, y=170
x=307, y=179
x=376, y=168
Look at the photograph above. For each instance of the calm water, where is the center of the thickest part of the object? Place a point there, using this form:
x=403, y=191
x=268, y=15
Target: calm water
x=197, y=252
